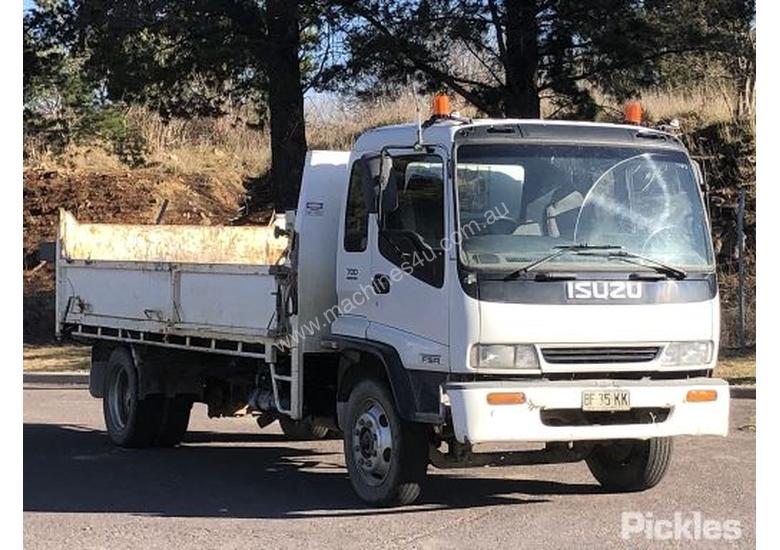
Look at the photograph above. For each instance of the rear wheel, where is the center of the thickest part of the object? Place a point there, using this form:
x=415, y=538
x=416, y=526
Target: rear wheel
x=386, y=456
x=631, y=465
x=302, y=430
x=175, y=420
x=130, y=421
x=135, y=422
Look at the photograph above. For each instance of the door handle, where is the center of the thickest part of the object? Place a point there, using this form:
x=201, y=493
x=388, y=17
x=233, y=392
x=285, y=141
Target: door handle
x=381, y=283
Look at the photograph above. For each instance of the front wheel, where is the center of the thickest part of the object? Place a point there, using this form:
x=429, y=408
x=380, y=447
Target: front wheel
x=386, y=456
x=631, y=465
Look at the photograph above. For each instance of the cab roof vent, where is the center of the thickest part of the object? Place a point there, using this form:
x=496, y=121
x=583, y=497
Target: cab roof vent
x=503, y=129
x=651, y=135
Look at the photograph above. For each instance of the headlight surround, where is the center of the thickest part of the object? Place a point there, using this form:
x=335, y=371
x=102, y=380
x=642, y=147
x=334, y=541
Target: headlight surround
x=503, y=356
x=679, y=354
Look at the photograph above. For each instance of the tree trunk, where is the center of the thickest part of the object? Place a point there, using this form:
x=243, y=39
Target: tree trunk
x=521, y=96
x=285, y=101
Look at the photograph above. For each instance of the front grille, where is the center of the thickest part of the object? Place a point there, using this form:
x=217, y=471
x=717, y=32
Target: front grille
x=638, y=354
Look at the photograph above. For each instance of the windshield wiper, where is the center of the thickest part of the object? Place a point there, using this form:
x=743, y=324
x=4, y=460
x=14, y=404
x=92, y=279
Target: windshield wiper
x=612, y=252
x=560, y=251
x=660, y=267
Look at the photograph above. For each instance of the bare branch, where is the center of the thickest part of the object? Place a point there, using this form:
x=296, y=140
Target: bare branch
x=499, y=29
x=409, y=52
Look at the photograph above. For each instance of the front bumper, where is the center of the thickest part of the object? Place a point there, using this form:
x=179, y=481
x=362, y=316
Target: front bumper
x=476, y=421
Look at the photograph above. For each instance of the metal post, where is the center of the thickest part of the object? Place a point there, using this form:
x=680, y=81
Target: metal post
x=161, y=212
x=741, y=265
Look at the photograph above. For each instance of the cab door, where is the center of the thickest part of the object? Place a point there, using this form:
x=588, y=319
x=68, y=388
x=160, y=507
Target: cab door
x=353, y=267
x=410, y=306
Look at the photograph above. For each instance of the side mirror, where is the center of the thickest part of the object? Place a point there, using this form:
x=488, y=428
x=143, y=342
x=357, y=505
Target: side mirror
x=379, y=188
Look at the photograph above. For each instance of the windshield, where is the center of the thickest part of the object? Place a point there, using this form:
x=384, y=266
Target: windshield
x=517, y=203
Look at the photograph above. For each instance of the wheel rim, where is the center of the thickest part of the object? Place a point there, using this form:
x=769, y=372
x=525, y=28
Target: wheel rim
x=121, y=398
x=372, y=442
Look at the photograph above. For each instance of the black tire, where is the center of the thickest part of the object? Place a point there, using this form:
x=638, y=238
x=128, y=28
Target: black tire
x=302, y=430
x=631, y=465
x=173, y=425
x=130, y=421
x=393, y=452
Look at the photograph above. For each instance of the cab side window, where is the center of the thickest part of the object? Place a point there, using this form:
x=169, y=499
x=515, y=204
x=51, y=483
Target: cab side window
x=412, y=232
x=356, y=220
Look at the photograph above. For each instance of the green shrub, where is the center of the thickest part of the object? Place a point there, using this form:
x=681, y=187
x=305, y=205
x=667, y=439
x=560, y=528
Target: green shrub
x=109, y=126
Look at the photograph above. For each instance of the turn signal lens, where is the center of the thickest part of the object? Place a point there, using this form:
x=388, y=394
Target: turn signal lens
x=700, y=396
x=506, y=398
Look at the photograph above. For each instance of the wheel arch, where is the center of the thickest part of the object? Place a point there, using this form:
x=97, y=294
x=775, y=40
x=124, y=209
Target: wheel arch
x=415, y=393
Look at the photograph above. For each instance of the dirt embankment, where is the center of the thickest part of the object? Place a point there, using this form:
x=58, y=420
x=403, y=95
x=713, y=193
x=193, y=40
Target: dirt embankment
x=133, y=196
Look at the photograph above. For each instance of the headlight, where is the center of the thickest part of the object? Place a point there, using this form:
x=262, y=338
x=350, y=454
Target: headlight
x=494, y=356
x=678, y=354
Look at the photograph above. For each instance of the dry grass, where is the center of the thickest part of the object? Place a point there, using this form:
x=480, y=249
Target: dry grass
x=225, y=148
x=56, y=358
x=95, y=158
x=699, y=105
x=709, y=105
x=230, y=147
x=203, y=146
x=737, y=367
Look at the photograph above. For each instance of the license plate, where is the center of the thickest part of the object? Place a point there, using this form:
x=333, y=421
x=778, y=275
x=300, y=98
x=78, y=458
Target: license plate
x=606, y=400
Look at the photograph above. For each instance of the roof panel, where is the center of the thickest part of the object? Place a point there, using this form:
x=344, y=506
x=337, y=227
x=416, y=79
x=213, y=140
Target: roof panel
x=537, y=130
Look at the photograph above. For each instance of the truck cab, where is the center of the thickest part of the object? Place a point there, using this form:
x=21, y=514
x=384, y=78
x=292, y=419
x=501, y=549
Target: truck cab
x=533, y=281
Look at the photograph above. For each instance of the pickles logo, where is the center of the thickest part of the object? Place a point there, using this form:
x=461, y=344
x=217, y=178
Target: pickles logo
x=603, y=290
x=681, y=526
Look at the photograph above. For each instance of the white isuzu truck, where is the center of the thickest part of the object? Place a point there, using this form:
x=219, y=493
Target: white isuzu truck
x=440, y=286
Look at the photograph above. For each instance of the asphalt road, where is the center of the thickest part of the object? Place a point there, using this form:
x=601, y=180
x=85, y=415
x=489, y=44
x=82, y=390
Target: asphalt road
x=234, y=486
